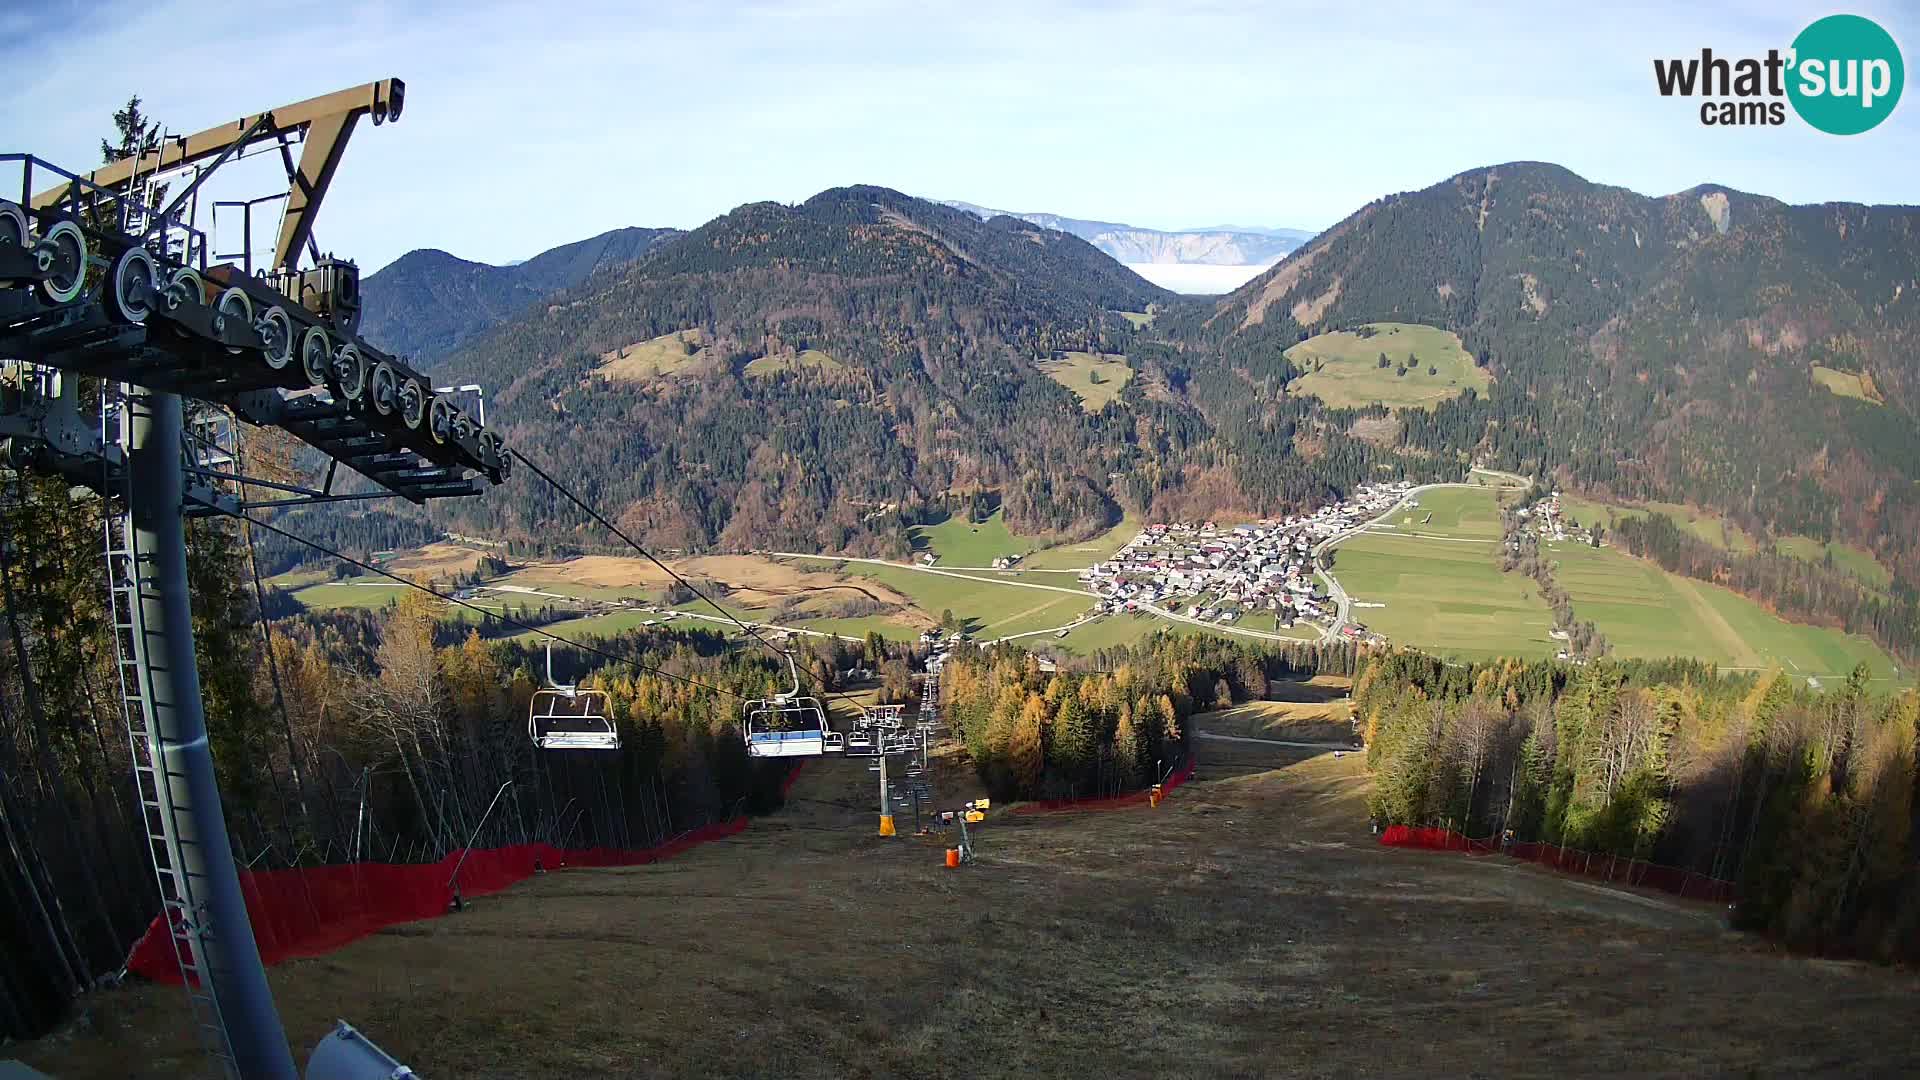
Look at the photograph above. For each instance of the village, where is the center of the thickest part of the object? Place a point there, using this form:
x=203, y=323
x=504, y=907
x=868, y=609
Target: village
x=1219, y=575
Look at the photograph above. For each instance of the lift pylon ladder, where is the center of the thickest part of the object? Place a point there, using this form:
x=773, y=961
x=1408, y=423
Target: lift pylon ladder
x=95, y=281
x=163, y=789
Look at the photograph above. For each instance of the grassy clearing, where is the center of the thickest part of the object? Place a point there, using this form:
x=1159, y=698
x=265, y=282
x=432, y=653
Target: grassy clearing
x=976, y=600
x=966, y=543
x=680, y=353
x=1137, y=318
x=369, y=592
x=806, y=358
x=1343, y=368
x=1846, y=558
x=1847, y=384
x=1448, y=598
x=1647, y=612
x=1321, y=715
x=1077, y=554
x=1094, y=378
x=607, y=625
x=1457, y=513
x=1708, y=526
x=888, y=627
x=960, y=542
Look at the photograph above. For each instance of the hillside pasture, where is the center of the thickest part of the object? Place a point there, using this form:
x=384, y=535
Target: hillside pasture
x=1342, y=368
x=1094, y=378
x=1846, y=558
x=1646, y=612
x=764, y=366
x=1847, y=384
x=1704, y=524
x=683, y=352
x=960, y=542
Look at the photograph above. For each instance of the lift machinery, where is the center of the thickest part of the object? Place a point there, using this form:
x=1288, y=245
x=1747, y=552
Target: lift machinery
x=124, y=345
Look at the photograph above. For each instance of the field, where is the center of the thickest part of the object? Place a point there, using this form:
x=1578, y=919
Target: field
x=806, y=358
x=1448, y=597
x=984, y=607
x=1094, y=378
x=1138, y=318
x=668, y=354
x=366, y=592
x=1724, y=534
x=960, y=542
x=1314, y=711
x=1847, y=558
x=1646, y=612
x=1704, y=524
x=1847, y=384
x=1456, y=513
x=1249, y=927
x=1083, y=553
x=1343, y=368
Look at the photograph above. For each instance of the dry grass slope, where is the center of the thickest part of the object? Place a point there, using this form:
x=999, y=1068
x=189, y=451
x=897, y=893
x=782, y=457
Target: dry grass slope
x=1251, y=926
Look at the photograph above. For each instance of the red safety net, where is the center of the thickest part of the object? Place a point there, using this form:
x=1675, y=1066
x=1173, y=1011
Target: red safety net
x=1611, y=868
x=1109, y=802
x=312, y=910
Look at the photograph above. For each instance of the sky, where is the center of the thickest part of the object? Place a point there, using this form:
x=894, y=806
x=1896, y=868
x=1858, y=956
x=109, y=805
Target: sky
x=531, y=125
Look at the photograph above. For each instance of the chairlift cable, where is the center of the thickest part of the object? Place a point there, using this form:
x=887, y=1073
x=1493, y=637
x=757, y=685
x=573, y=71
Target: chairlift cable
x=323, y=549
x=266, y=639
x=783, y=654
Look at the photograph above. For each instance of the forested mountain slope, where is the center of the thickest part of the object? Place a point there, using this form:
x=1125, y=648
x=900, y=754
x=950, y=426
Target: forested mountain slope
x=426, y=303
x=806, y=375
x=1644, y=347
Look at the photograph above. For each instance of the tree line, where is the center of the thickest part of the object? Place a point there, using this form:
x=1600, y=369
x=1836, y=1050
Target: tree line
x=1805, y=800
x=1111, y=724
x=1795, y=588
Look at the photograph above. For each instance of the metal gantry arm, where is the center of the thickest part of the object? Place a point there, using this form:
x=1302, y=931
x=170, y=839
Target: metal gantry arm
x=159, y=328
x=325, y=123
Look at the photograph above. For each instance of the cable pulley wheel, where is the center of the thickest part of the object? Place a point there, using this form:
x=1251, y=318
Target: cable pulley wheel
x=234, y=305
x=383, y=393
x=14, y=227
x=186, y=287
x=135, y=285
x=414, y=400
x=68, y=269
x=276, y=338
x=349, y=373
x=440, y=418
x=316, y=350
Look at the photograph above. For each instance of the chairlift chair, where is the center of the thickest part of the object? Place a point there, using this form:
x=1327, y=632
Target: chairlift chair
x=788, y=725
x=565, y=717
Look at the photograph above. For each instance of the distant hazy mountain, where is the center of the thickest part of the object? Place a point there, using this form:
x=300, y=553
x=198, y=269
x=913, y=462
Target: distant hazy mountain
x=426, y=303
x=1224, y=245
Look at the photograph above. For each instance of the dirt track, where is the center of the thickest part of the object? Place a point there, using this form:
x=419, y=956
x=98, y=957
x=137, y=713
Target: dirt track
x=1250, y=927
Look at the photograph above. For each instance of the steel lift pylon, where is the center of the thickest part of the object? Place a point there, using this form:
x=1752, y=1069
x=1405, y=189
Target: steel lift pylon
x=97, y=280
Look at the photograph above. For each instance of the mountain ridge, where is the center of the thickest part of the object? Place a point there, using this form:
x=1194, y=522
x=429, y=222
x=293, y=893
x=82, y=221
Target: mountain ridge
x=427, y=302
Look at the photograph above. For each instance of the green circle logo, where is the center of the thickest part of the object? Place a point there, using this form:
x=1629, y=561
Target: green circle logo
x=1846, y=74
